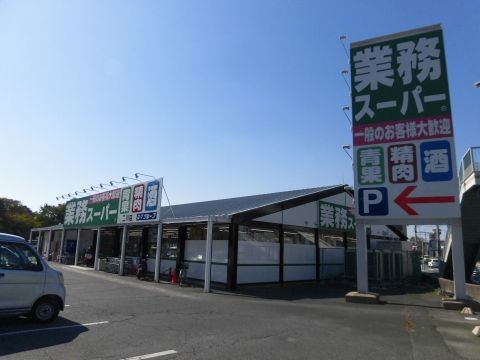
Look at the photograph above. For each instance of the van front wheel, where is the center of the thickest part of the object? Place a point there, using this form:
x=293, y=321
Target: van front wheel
x=45, y=311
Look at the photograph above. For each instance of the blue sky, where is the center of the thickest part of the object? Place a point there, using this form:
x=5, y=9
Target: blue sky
x=221, y=98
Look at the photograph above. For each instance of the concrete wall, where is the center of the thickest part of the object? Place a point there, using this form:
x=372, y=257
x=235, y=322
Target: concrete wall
x=473, y=291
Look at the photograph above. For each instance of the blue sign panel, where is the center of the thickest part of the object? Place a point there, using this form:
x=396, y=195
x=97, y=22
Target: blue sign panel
x=153, y=188
x=140, y=202
x=147, y=216
x=373, y=201
x=436, y=160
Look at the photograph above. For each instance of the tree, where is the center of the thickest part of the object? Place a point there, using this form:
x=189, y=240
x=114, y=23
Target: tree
x=49, y=215
x=16, y=218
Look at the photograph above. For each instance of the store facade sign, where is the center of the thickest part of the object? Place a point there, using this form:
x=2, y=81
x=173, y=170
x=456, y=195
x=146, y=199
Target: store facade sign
x=335, y=217
x=132, y=204
x=405, y=164
x=140, y=202
x=94, y=210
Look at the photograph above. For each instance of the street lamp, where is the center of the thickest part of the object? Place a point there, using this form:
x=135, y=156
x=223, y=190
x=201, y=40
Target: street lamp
x=346, y=148
x=345, y=109
x=343, y=73
x=140, y=174
x=343, y=39
x=117, y=182
x=129, y=178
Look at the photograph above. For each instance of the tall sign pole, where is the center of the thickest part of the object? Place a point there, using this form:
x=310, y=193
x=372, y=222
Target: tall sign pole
x=404, y=151
x=158, y=252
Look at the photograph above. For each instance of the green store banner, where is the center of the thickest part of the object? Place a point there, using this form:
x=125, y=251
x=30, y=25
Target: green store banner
x=403, y=140
x=335, y=217
x=400, y=78
x=94, y=210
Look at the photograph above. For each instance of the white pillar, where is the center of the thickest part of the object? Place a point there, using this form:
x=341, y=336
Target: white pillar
x=77, y=248
x=96, y=263
x=158, y=253
x=30, y=237
x=49, y=243
x=208, y=256
x=362, y=262
x=122, y=254
x=458, y=262
x=62, y=241
x=39, y=250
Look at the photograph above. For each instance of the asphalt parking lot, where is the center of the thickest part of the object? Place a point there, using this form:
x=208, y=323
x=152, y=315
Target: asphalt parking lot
x=112, y=317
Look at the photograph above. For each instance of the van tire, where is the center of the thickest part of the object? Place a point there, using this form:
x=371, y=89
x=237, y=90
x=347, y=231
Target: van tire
x=45, y=310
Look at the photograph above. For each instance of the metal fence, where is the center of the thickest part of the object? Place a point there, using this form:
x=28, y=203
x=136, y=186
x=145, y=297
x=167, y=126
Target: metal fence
x=385, y=265
x=332, y=263
x=470, y=163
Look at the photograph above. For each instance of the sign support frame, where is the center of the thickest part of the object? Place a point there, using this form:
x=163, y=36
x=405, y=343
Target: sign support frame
x=362, y=258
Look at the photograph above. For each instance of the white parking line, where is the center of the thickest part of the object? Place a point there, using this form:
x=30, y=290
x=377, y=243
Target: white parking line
x=150, y=356
x=95, y=323
x=471, y=318
x=53, y=328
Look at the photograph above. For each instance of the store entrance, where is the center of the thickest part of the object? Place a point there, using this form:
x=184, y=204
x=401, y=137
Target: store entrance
x=141, y=244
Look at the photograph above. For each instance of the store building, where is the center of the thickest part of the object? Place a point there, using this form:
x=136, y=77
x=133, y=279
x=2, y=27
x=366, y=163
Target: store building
x=297, y=235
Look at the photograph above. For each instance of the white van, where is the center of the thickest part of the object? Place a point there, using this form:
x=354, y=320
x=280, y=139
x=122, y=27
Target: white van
x=27, y=284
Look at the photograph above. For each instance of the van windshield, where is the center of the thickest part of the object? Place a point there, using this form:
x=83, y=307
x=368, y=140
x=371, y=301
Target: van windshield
x=15, y=256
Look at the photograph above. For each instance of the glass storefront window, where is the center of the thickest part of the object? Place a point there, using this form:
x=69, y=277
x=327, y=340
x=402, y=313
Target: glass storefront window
x=258, y=245
x=110, y=240
x=169, y=243
x=247, y=233
x=134, y=241
x=221, y=232
x=199, y=232
x=299, y=237
x=196, y=232
x=152, y=242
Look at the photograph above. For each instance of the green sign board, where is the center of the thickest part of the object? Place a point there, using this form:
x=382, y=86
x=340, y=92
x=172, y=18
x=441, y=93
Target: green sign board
x=94, y=210
x=402, y=77
x=335, y=217
x=403, y=140
x=132, y=204
x=369, y=170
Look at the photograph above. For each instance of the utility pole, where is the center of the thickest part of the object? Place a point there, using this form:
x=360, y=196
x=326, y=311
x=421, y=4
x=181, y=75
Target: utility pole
x=439, y=249
x=416, y=243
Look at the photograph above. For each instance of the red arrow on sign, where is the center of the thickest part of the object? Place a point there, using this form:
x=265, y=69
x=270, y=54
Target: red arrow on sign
x=403, y=200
